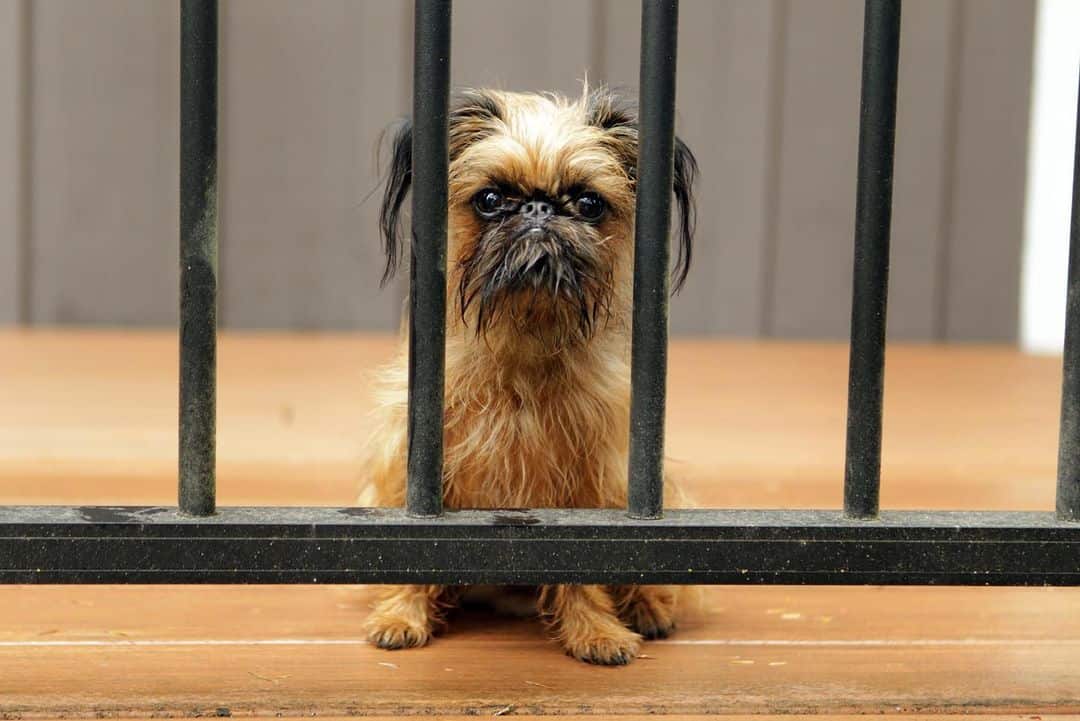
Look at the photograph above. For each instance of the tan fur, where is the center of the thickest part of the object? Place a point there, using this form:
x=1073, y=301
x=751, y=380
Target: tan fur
x=407, y=616
x=532, y=420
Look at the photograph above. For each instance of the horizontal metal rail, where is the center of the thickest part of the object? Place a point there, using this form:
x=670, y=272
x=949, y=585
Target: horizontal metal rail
x=72, y=544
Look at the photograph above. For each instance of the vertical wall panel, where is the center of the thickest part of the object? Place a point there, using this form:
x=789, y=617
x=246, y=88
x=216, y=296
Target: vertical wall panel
x=725, y=83
x=920, y=178
x=306, y=90
x=13, y=71
x=815, y=195
x=617, y=37
x=816, y=188
x=982, y=277
x=104, y=162
x=522, y=45
x=768, y=100
x=728, y=52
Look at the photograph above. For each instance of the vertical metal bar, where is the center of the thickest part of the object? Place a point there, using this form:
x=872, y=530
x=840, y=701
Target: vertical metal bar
x=873, y=217
x=427, y=287
x=648, y=374
x=1068, y=484
x=198, y=255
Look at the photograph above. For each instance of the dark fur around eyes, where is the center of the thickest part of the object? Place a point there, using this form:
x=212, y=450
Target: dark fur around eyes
x=473, y=116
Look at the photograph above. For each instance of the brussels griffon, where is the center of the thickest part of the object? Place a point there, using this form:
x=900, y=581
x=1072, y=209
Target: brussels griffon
x=539, y=276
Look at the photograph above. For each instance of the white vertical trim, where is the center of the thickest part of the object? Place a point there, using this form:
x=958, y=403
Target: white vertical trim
x=1050, y=163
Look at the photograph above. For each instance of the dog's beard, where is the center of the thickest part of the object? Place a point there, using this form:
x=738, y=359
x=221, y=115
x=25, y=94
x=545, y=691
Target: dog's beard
x=551, y=284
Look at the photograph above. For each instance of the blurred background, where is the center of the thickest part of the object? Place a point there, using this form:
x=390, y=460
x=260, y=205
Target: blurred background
x=768, y=100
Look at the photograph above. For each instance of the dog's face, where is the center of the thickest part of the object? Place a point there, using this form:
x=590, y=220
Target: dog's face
x=541, y=211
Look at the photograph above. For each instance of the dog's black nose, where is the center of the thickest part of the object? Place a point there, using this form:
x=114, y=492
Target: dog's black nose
x=537, y=210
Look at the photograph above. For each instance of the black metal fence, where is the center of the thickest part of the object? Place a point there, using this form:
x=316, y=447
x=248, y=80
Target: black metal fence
x=198, y=543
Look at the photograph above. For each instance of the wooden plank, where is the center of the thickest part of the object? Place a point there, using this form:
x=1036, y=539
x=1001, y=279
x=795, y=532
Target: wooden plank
x=14, y=17
x=306, y=93
x=985, y=224
x=763, y=649
x=725, y=717
x=104, y=162
x=726, y=81
x=751, y=424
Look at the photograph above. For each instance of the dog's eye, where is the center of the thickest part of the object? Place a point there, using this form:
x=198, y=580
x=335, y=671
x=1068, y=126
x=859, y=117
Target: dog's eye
x=488, y=201
x=590, y=205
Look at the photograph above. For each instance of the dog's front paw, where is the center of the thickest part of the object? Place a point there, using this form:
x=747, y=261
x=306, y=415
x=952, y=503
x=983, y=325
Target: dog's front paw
x=652, y=623
x=649, y=610
x=608, y=647
x=395, y=631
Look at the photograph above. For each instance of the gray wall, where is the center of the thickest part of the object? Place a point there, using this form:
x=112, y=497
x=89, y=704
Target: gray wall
x=768, y=99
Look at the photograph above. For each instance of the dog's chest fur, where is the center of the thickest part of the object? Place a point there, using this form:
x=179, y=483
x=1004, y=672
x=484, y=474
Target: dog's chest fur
x=536, y=433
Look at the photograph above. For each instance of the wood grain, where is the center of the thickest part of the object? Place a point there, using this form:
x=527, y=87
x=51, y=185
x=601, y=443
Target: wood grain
x=89, y=418
x=509, y=710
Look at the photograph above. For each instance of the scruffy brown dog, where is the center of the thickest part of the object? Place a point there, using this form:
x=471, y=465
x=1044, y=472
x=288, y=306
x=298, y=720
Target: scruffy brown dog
x=539, y=275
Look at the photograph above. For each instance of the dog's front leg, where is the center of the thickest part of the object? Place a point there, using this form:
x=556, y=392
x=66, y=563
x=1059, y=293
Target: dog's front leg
x=584, y=621
x=407, y=616
x=649, y=610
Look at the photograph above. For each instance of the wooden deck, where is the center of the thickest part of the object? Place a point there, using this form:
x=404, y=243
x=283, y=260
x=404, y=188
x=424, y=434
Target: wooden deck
x=89, y=417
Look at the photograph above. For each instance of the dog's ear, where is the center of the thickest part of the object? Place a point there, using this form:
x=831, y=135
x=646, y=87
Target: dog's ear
x=618, y=117
x=686, y=171
x=398, y=181
x=473, y=115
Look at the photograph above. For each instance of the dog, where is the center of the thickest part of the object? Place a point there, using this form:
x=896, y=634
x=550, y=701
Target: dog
x=540, y=250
